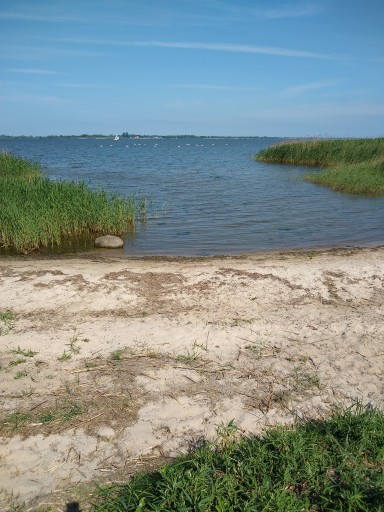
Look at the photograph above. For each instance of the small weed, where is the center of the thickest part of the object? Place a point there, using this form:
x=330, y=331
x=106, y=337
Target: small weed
x=71, y=410
x=28, y=393
x=6, y=322
x=192, y=355
x=256, y=349
x=90, y=364
x=19, y=507
x=238, y=322
x=302, y=380
x=73, y=346
x=141, y=348
x=25, y=353
x=46, y=418
x=62, y=411
x=15, y=362
x=227, y=432
x=20, y=374
x=16, y=420
x=283, y=396
x=64, y=357
x=116, y=354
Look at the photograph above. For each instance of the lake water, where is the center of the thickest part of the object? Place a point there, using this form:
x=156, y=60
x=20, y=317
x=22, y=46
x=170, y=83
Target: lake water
x=210, y=197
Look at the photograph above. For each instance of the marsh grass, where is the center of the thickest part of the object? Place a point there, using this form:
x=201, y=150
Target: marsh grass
x=351, y=165
x=37, y=212
x=333, y=464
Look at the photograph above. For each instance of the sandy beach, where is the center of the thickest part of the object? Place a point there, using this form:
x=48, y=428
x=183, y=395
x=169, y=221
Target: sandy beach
x=111, y=366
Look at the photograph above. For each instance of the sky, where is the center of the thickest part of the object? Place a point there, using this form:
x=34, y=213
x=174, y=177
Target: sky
x=198, y=67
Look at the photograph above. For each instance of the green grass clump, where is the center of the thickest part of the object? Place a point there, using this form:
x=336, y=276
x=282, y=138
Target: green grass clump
x=15, y=167
x=352, y=165
x=334, y=464
x=37, y=212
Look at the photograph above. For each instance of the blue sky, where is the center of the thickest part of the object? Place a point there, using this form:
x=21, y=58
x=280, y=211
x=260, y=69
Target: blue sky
x=202, y=67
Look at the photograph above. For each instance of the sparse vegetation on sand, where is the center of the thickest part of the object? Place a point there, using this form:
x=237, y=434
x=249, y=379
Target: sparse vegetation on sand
x=350, y=165
x=38, y=212
x=334, y=464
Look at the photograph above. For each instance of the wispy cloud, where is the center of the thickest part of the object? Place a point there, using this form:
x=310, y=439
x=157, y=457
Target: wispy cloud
x=91, y=19
x=32, y=71
x=16, y=16
x=44, y=99
x=88, y=86
x=291, y=11
x=297, y=90
x=221, y=47
x=213, y=87
x=231, y=47
x=41, y=53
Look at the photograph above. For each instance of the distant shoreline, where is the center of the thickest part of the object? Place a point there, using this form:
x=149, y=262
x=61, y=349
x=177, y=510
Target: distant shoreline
x=136, y=136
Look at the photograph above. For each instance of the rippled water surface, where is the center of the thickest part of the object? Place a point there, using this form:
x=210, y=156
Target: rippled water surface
x=209, y=196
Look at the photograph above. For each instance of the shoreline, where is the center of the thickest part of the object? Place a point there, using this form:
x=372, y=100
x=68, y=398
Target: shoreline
x=114, y=365
x=120, y=254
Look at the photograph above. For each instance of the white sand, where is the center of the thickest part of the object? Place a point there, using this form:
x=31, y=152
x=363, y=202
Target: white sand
x=258, y=339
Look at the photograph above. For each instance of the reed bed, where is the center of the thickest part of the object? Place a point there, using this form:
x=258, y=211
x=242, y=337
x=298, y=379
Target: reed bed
x=349, y=165
x=37, y=212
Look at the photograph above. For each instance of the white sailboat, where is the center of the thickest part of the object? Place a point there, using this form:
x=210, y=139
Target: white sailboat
x=116, y=137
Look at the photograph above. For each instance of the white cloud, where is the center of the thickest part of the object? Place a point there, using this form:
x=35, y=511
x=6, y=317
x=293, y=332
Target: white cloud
x=231, y=47
x=41, y=53
x=38, y=98
x=215, y=87
x=37, y=17
x=219, y=47
x=294, y=9
x=290, y=11
x=51, y=18
x=32, y=71
x=87, y=86
x=297, y=90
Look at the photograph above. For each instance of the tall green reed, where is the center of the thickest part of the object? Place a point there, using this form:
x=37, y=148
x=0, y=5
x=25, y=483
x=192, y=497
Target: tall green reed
x=37, y=212
x=351, y=165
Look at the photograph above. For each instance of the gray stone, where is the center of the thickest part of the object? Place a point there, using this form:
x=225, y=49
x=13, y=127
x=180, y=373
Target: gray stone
x=109, y=241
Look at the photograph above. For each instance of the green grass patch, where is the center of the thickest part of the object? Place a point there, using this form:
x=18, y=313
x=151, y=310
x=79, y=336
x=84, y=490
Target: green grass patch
x=64, y=411
x=351, y=165
x=37, y=212
x=334, y=464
